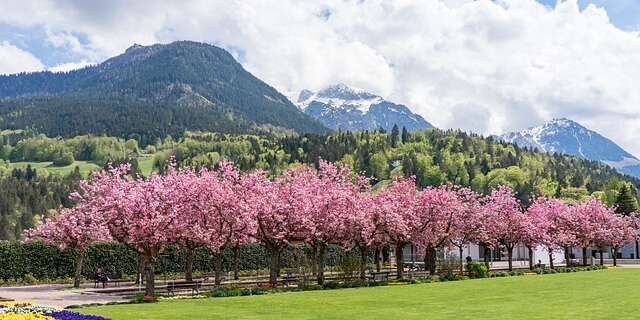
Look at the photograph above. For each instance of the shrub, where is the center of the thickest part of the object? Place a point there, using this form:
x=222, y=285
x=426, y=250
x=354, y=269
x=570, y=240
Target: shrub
x=259, y=290
x=310, y=287
x=477, y=270
x=450, y=264
x=331, y=285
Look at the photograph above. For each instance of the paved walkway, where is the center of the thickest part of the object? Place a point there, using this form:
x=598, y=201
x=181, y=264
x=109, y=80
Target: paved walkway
x=48, y=295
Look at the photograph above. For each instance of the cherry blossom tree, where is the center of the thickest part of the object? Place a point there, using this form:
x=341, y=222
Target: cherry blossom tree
x=330, y=194
x=189, y=228
x=534, y=229
x=436, y=213
x=71, y=228
x=138, y=213
x=467, y=223
x=395, y=214
x=360, y=228
x=507, y=218
x=223, y=206
x=275, y=205
x=549, y=216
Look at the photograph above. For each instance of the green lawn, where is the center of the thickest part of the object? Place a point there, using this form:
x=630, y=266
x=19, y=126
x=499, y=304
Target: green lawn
x=604, y=294
x=85, y=167
x=145, y=165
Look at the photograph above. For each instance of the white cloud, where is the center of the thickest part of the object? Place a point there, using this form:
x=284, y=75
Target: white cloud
x=14, y=60
x=509, y=63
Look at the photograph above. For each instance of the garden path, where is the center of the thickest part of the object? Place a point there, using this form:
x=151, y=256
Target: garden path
x=52, y=295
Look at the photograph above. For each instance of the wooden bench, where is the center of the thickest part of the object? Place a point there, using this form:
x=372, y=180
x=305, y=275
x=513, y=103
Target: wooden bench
x=208, y=276
x=194, y=286
x=291, y=275
x=378, y=275
x=112, y=278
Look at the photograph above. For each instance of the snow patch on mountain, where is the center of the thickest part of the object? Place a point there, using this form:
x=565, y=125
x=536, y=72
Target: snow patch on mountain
x=348, y=108
x=569, y=137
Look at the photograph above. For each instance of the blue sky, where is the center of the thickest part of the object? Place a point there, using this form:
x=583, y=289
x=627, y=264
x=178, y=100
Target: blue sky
x=487, y=66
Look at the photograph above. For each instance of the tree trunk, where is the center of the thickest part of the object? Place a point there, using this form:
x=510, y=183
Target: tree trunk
x=461, y=263
x=236, y=257
x=400, y=260
x=430, y=259
x=510, y=254
x=550, y=259
x=584, y=256
x=79, y=258
x=637, y=250
x=274, y=266
x=530, y=257
x=363, y=261
x=376, y=259
x=150, y=269
x=487, y=256
x=567, y=256
x=189, y=267
x=279, y=263
x=601, y=257
x=218, y=267
x=314, y=260
x=615, y=256
x=142, y=261
x=320, y=257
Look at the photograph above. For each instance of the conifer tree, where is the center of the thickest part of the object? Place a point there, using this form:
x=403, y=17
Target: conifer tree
x=626, y=202
x=405, y=135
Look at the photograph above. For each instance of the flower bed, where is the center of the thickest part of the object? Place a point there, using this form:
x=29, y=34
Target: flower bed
x=22, y=310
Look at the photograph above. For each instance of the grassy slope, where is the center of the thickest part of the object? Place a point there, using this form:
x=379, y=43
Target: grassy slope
x=146, y=165
x=85, y=166
x=586, y=295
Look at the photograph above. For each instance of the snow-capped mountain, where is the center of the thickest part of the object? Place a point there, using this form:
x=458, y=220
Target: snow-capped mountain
x=347, y=108
x=569, y=137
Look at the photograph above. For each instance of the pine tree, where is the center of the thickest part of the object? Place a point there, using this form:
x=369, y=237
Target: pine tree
x=395, y=132
x=626, y=202
x=405, y=135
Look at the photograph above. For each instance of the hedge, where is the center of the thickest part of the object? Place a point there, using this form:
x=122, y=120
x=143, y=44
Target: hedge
x=47, y=262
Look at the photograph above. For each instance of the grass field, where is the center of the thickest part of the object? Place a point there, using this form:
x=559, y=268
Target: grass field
x=145, y=164
x=85, y=167
x=604, y=294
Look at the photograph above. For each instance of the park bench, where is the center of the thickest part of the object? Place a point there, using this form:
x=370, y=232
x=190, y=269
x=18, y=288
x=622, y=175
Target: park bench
x=208, y=276
x=290, y=275
x=113, y=278
x=194, y=286
x=378, y=275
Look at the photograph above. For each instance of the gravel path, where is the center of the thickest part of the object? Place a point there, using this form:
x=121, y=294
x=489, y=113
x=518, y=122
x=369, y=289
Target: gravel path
x=48, y=295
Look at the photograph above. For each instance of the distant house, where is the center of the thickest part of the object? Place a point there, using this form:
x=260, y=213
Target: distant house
x=396, y=163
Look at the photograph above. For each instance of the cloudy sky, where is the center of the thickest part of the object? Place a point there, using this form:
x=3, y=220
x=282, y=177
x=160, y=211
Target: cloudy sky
x=482, y=66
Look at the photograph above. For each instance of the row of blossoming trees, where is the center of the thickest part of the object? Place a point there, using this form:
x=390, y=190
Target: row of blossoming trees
x=223, y=208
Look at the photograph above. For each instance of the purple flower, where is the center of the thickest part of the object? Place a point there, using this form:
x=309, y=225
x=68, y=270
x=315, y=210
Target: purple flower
x=68, y=315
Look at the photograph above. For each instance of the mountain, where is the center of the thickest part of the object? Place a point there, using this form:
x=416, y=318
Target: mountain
x=149, y=92
x=347, y=108
x=569, y=137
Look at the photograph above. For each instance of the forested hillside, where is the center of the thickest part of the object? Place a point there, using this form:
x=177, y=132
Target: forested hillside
x=26, y=196
x=150, y=92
